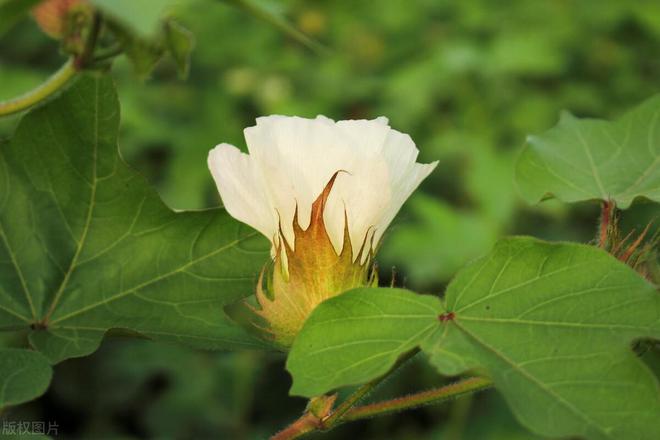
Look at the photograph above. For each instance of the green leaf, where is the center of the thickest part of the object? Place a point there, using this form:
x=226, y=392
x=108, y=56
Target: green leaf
x=553, y=325
x=180, y=43
x=358, y=336
x=141, y=16
x=24, y=375
x=87, y=246
x=587, y=159
x=439, y=241
x=11, y=11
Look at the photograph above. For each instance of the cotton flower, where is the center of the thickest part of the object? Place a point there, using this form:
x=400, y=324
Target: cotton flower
x=323, y=192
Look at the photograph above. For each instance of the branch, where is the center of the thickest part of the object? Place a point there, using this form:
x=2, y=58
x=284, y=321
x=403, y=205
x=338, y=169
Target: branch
x=423, y=398
x=307, y=423
x=606, y=214
x=310, y=422
x=60, y=78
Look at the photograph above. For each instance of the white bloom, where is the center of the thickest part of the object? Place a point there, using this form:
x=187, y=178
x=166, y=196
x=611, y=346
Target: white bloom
x=290, y=162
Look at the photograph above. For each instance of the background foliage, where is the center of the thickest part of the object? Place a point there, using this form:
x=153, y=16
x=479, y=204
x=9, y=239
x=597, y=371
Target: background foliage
x=468, y=80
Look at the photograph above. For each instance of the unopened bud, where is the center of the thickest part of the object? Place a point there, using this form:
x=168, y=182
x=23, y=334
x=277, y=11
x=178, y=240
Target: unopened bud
x=54, y=17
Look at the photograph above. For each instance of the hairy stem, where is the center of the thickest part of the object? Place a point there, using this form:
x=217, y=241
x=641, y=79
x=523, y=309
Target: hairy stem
x=307, y=423
x=45, y=90
x=423, y=398
x=605, y=220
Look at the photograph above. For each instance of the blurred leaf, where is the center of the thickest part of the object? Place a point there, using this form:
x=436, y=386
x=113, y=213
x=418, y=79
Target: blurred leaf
x=552, y=324
x=86, y=245
x=180, y=43
x=357, y=336
x=261, y=10
x=11, y=11
x=490, y=182
x=140, y=16
x=440, y=240
x=196, y=405
x=490, y=420
x=524, y=52
x=24, y=375
x=594, y=159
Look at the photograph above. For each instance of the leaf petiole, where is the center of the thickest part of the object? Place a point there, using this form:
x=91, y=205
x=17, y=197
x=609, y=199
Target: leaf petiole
x=44, y=91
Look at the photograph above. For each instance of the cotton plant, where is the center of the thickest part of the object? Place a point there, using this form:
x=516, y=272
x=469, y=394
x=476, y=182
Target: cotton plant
x=323, y=193
x=88, y=247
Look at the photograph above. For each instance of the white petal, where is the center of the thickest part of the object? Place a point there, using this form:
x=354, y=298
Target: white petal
x=241, y=189
x=405, y=175
x=291, y=161
x=297, y=158
x=364, y=195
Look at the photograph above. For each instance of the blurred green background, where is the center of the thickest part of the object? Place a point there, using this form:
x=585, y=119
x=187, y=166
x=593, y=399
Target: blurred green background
x=469, y=80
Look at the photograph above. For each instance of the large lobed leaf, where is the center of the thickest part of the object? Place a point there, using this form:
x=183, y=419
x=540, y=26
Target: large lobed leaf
x=86, y=245
x=587, y=159
x=551, y=323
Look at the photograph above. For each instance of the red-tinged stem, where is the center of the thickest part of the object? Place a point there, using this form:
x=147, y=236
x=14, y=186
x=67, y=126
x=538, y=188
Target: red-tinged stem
x=605, y=218
x=423, y=398
x=307, y=423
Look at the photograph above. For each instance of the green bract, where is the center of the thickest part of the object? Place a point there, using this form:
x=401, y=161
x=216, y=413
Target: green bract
x=87, y=246
x=552, y=324
x=587, y=159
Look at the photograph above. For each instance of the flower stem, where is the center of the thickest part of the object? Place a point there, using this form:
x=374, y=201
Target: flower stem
x=347, y=411
x=307, y=423
x=45, y=90
x=423, y=398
